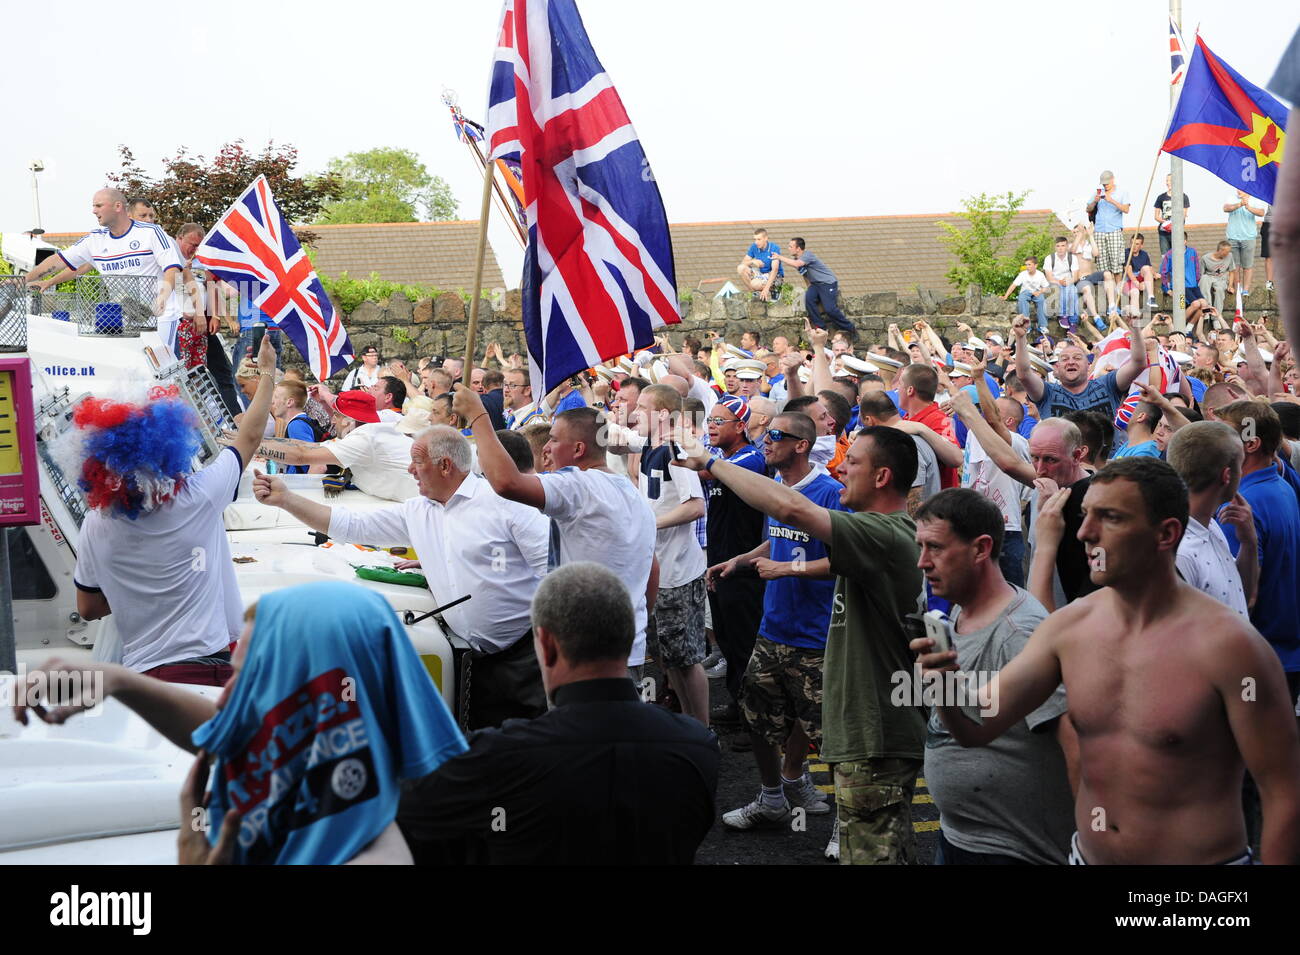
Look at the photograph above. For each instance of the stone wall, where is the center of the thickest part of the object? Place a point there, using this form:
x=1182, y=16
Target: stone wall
x=407, y=330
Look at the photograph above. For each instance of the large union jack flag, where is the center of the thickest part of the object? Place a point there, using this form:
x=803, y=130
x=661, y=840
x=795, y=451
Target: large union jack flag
x=253, y=248
x=598, y=269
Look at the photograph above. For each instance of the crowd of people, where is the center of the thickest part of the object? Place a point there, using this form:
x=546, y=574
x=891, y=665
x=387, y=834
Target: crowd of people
x=1057, y=578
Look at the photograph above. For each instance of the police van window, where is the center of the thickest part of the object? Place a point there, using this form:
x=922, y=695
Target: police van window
x=31, y=581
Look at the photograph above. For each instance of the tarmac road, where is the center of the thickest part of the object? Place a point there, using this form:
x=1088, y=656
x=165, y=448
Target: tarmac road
x=738, y=784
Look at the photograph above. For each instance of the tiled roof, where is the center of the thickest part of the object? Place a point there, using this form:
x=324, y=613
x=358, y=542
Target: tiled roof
x=440, y=254
x=867, y=253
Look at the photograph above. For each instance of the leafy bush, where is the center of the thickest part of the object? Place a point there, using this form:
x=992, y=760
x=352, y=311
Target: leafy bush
x=347, y=293
x=987, y=252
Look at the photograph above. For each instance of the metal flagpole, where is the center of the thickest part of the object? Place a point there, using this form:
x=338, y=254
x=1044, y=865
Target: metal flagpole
x=1177, y=237
x=484, y=210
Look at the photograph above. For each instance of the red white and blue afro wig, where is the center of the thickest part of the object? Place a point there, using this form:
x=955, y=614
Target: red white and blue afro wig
x=130, y=457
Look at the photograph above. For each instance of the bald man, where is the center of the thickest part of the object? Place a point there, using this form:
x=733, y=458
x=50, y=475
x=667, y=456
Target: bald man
x=123, y=246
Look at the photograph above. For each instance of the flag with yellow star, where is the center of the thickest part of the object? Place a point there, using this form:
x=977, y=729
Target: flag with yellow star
x=1229, y=126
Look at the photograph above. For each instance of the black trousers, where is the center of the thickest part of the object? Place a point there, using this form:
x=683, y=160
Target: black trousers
x=219, y=365
x=819, y=303
x=737, y=608
x=505, y=685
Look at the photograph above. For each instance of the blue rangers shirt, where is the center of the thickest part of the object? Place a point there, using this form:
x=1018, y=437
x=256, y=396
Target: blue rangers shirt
x=797, y=610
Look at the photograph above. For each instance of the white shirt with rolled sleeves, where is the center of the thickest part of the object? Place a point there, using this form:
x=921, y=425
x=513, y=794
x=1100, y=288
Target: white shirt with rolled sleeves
x=602, y=518
x=168, y=575
x=999, y=487
x=379, y=456
x=1206, y=562
x=143, y=249
x=477, y=543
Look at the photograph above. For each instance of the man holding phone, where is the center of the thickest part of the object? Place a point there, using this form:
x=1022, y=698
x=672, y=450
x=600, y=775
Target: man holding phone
x=1172, y=693
x=1009, y=803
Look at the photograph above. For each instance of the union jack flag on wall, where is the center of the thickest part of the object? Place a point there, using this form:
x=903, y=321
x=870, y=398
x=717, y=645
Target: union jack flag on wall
x=598, y=270
x=253, y=248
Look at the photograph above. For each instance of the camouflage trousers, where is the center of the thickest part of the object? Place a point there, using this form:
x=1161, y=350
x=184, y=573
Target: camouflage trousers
x=782, y=687
x=874, y=798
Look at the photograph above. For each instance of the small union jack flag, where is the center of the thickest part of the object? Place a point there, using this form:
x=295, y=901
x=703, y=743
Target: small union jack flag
x=598, y=270
x=1164, y=376
x=252, y=248
x=1177, y=54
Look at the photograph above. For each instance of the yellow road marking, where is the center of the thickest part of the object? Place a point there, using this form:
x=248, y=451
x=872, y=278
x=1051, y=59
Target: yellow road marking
x=925, y=826
x=922, y=799
x=827, y=789
x=818, y=768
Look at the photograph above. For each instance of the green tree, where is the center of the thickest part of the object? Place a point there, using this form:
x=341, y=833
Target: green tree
x=991, y=249
x=194, y=190
x=387, y=185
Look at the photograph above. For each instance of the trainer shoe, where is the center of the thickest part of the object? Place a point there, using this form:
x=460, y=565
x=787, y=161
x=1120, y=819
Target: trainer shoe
x=1099, y=322
x=806, y=795
x=757, y=816
x=718, y=671
x=833, y=847
x=1245, y=293
x=1151, y=302
x=1268, y=286
x=712, y=659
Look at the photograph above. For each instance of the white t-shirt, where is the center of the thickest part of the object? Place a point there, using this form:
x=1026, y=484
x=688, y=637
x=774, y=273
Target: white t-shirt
x=168, y=574
x=1034, y=283
x=601, y=517
x=360, y=378
x=389, y=416
x=1062, y=267
x=378, y=455
x=143, y=249
x=681, y=559
x=1206, y=563
x=994, y=483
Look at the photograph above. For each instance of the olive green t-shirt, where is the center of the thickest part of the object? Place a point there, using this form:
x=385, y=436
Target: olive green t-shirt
x=877, y=583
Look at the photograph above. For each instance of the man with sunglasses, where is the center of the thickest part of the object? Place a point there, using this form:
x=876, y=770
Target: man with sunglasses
x=736, y=600
x=781, y=691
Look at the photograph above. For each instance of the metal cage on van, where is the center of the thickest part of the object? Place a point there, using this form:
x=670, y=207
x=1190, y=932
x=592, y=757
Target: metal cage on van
x=116, y=305
x=15, y=301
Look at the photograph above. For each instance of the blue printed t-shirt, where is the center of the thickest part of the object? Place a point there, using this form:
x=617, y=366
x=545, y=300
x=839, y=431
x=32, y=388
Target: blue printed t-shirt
x=299, y=429
x=765, y=256
x=1276, y=613
x=1145, y=449
x=1102, y=395
x=1198, y=388
x=797, y=610
x=331, y=709
x=572, y=400
x=1027, y=424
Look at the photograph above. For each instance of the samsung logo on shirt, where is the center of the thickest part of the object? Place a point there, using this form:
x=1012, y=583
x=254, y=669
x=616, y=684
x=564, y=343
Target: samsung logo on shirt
x=789, y=533
x=118, y=265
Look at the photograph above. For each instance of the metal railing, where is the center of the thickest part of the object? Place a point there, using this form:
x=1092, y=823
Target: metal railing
x=15, y=301
x=116, y=305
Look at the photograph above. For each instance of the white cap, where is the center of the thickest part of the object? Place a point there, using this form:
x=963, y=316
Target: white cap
x=1039, y=362
x=804, y=374
x=961, y=368
x=749, y=369
x=1180, y=356
x=996, y=339
x=886, y=361
x=976, y=345
x=1240, y=357
x=858, y=365
x=627, y=366
x=603, y=372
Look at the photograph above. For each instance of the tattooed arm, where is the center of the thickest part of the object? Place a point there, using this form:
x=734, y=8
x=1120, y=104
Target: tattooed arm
x=289, y=451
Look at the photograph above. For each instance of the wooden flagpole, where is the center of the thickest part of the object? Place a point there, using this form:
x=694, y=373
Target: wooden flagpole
x=484, y=210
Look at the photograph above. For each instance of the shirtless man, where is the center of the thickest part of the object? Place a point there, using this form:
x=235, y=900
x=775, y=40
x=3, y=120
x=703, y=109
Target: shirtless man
x=1172, y=694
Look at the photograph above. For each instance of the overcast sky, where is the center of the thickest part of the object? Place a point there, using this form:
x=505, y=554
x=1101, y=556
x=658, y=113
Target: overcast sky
x=746, y=110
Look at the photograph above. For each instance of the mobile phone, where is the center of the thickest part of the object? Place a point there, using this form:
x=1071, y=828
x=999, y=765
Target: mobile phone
x=259, y=330
x=939, y=629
